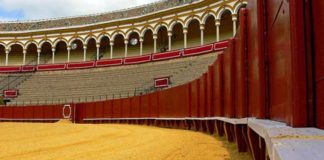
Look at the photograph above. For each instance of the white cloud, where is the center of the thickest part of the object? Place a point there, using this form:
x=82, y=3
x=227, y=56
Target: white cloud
x=40, y=9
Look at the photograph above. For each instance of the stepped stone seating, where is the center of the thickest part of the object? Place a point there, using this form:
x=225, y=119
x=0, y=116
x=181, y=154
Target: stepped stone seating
x=107, y=83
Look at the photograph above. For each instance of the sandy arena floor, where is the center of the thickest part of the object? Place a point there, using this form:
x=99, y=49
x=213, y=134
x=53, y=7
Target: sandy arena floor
x=67, y=141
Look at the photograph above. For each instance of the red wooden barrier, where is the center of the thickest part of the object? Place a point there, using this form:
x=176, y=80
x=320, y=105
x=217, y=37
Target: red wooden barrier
x=99, y=108
x=202, y=96
x=256, y=63
x=108, y=109
x=194, y=98
x=117, y=108
x=137, y=59
x=126, y=107
x=240, y=68
x=219, y=86
x=80, y=65
x=145, y=105
x=154, y=109
x=135, y=107
x=210, y=91
x=318, y=18
x=229, y=81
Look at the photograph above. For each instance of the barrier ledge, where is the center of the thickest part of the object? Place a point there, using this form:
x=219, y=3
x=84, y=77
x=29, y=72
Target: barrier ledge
x=285, y=143
x=12, y=119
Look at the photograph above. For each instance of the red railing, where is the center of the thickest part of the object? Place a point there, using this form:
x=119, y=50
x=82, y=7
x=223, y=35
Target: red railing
x=118, y=61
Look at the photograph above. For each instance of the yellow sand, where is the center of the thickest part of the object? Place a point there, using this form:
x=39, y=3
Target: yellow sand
x=65, y=141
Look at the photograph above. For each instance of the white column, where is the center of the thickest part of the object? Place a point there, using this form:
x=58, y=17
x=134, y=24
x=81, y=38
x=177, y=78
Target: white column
x=24, y=56
x=69, y=51
x=98, y=49
x=53, y=55
x=7, y=57
x=154, y=38
x=217, y=23
x=111, y=49
x=170, y=40
x=141, y=45
x=38, y=55
x=84, y=53
x=185, y=32
x=234, y=19
x=202, y=28
x=126, y=45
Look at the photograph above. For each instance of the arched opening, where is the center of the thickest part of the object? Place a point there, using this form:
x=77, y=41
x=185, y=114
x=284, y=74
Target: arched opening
x=104, y=52
x=119, y=46
x=76, y=54
x=2, y=55
x=177, y=36
x=226, y=26
x=133, y=48
x=210, y=30
x=91, y=50
x=193, y=33
x=61, y=52
x=31, y=55
x=148, y=43
x=162, y=43
x=15, y=55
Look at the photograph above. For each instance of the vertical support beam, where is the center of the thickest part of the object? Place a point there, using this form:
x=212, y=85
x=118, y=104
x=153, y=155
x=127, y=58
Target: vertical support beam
x=170, y=40
x=202, y=28
x=38, y=55
x=126, y=47
x=155, y=38
x=24, y=56
x=7, y=56
x=84, y=53
x=217, y=23
x=53, y=55
x=98, y=49
x=234, y=19
x=69, y=51
x=141, y=45
x=111, y=49
x=185, y=32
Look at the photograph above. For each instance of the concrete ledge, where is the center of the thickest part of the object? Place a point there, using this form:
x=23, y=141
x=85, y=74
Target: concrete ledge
x=286, y=143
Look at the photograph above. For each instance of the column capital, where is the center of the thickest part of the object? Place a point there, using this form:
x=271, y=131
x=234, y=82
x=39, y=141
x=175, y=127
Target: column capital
x=234, y=17
x=85, y=47
x=141, y=39
x=98, y=45
x=169, y=33
x=155, y=36
x=24, y=51
x=126, y=41
x=217, y=22
x=185, y=30
x=202, y=26
x=68, y=48
x=7, y=51
x=39, y=50
x=111, y=43
x=53, y=49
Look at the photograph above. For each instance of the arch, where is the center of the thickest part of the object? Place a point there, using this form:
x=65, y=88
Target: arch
x=145, y=29
x=131, y=31
x=60, y=40
x=222, y=10
x=3, y=44
x=14, y=43
x=174, y=22
x=207, y=15
x=40, y=44
x=15, y=56
x=159, y=25
x=238, y=5
x=74, y=39
x=29, y=43
x=88, y=38
x=103, y=35
x=191, y=18
x=116, y=33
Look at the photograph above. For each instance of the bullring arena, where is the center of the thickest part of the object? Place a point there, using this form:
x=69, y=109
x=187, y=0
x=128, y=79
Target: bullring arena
x=174, y=79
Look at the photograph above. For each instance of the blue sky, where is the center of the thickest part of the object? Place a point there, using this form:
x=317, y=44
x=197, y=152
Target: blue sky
x=12, y=10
